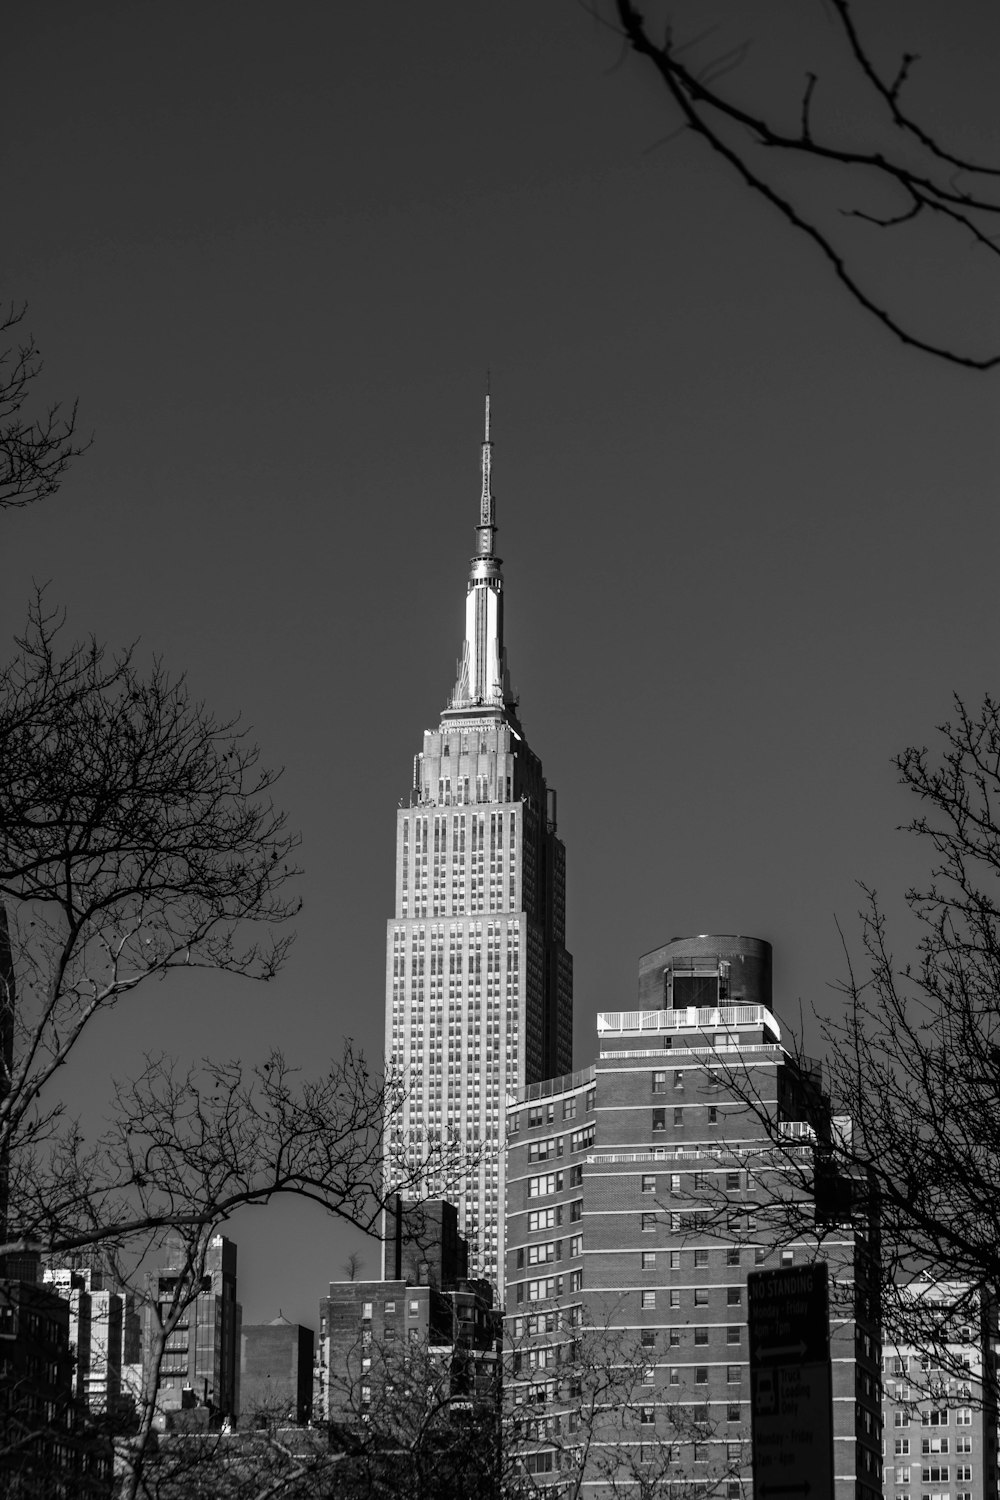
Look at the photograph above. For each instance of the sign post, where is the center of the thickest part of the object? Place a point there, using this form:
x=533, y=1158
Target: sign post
x=791, y=1392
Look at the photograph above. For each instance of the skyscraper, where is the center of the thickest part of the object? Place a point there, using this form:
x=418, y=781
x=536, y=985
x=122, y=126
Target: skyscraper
x=479, y=988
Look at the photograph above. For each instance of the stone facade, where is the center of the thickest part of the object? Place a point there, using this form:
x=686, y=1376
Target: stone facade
x=479, y=985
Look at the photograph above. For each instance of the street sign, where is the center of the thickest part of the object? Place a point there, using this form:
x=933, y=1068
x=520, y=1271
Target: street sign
x=791, y=1393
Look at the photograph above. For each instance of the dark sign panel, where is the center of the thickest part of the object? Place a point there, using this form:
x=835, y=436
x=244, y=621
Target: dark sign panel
x=790, y=1385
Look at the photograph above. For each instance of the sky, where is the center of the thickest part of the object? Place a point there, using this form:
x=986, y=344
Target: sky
x=749, y=539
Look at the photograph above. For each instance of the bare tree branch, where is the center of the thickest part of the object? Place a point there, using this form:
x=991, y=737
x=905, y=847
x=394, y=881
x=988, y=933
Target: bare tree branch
x=899, y=157
x=34, y=451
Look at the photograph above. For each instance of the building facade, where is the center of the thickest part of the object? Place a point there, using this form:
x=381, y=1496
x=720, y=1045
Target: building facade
x=49, y=1446
x=426, y=1316
x=201, y=1361
x=939, y=1413
x=97, y=1333
x=640, y=1193
x=276, y=1372
x=478, y=979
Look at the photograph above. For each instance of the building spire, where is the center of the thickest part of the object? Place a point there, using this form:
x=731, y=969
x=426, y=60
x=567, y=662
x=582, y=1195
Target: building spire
x=483, y=679
x=486, y=503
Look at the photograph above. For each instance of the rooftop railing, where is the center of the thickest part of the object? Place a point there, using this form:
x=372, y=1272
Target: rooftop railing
x=687, y=1018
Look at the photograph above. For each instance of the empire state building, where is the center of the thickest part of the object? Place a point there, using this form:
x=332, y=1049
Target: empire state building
x=479, y=985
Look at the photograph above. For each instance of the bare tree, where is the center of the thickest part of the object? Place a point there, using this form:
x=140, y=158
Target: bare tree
x=594, y=1407
x=137, y=836
x=903, y=1162
x=813, y=112
x=915, y=1057
x=34, y=450
x=353, y=1266
x=139, y=840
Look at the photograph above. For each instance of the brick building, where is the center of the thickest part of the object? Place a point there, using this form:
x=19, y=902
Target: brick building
x=640, y=1192
x=201, y=1363
x=431, y=1311
x=276, y=1371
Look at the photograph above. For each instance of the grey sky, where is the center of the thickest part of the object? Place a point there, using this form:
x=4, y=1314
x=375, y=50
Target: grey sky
x=749, y=541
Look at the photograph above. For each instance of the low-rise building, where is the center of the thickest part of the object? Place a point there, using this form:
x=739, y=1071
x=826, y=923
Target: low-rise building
x=429, y=1314
x=276, y=1372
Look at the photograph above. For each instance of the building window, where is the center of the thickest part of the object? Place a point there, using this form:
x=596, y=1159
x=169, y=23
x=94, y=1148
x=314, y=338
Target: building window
x=900, y=1418
x=733, y=1452
x=648, y=1223
x=678, y=1078
x=901, y=1447
x=646, y=1416
x=734, y=1374
x=734, y=1335
x=732, y=1255
x=903, y=1474
x=733, y=1411
x=649, y=1260
x=648, y=1338
x=675, y=1297
x=675, y=1260
x=701, y=1257
x=734, y=1296
x=540, y=1187
x=649, y=1182
x=732, y=1182
x=759, y=1255
x=659, y=1119
x=648, y=1299
x=701, y=1375
x=541, y=1218
x=649, y=1375
x=788, y=1257
x=366, y=1309
x=701, y=1296
x=701, y=1335
x=660, y=1081
x=675, y=1338
x=713, y=1115
x=678, y=1114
